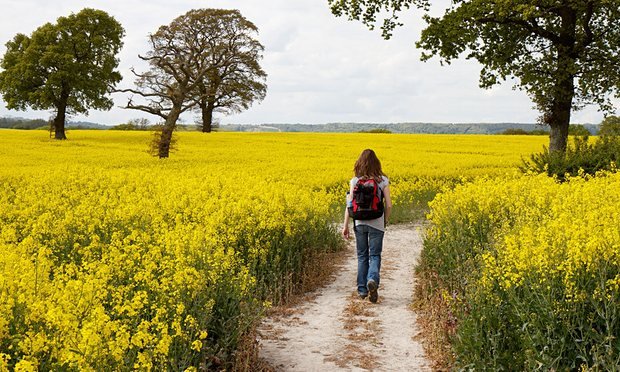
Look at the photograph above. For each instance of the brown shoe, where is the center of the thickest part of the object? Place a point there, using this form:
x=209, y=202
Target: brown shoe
x=372, y=289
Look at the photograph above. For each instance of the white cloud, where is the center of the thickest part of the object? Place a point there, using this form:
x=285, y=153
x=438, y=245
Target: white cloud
x=321, y=68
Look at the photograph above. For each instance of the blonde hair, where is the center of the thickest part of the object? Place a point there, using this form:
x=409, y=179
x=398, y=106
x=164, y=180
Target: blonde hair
x=368, y=166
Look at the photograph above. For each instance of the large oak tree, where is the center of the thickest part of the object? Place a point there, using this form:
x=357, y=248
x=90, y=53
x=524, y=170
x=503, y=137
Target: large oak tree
x=564, y=54
x=68, y=66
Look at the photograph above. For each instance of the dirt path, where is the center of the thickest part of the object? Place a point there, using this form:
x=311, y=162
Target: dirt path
x=337, y=331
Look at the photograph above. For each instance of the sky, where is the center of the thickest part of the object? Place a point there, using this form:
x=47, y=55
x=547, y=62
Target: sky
x=321, y=69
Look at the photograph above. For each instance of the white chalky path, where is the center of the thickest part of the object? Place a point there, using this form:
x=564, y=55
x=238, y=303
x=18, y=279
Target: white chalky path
x=336, y=331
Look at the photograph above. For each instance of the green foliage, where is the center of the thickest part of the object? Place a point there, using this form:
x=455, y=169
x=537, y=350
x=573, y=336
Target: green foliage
x=366, y=11
x=583, y=156
x=235, y=79
x=525, y=40
x=536, y=326
x=134, y=124
x=512, y=131
x=523, y=132
x=127, y=126
x=377, y=130
x=578, y=130
x=70, y=63
x=517, y=39
x=544, y=46
x=610, y=126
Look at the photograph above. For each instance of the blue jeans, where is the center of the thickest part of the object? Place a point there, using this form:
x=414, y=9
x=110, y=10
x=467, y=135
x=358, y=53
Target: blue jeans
x=369, y=243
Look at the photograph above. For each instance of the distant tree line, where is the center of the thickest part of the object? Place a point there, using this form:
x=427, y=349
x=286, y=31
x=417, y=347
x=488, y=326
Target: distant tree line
x=143, y=124
x=19, y=123
x=134, y=124
x=23, y=123
x=423, y=128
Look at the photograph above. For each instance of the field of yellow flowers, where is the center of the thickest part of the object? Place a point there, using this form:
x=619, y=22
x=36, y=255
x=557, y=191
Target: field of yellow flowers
x=111, y=259
x=530, y=271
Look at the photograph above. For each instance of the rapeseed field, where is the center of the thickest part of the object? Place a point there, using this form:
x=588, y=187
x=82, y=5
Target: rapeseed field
x=529, y=270
x=111, y=259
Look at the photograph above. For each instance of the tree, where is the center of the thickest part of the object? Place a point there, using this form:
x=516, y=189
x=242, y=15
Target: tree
x=235, y=79
x=610, y=126
x=68, y=66
x=178, y=65
x=192, y=65
x=563, y=53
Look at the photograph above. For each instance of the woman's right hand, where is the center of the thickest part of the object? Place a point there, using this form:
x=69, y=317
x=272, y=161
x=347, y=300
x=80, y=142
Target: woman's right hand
x=345, y=232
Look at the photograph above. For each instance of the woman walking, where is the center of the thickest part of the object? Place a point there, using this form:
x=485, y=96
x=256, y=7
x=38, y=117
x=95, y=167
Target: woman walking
x=369, y=204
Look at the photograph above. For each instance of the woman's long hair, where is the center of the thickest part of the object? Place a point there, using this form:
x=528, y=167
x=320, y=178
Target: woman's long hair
x=368, y=166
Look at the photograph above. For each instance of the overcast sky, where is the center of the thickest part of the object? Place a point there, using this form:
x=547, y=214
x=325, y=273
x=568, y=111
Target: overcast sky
x=320, y=68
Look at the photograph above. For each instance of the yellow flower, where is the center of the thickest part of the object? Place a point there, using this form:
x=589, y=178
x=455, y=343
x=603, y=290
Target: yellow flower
x=197, y=345
x=25, y=366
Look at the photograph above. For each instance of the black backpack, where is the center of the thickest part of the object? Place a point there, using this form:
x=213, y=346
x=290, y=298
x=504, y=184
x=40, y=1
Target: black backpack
x=367, y=200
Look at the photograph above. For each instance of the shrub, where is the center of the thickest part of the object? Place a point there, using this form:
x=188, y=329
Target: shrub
x=582, y=156
x=610, y=126
x=515, y=131
x=377, y=130
x=134, y=124
x=523, y=132
x=126, y=127
x=578, y=130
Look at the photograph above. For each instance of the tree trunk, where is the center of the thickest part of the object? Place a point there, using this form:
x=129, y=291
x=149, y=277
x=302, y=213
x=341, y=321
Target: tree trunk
x=61, y=115
x=558, y=138
x=165, y=140
x=564, y=90
x=559, y=113
x=206, y=107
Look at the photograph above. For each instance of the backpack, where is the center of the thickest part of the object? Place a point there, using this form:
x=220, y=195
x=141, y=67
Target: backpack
x=367, y=200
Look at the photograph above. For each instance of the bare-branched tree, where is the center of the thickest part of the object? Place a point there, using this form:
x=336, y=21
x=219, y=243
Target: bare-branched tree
x=205, y=59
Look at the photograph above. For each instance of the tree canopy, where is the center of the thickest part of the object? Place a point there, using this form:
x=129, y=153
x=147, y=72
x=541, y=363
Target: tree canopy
x=564, y=54
x=68, y=66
